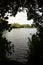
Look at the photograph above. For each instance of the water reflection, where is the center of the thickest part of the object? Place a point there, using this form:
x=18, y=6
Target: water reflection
x=5, y=47
x=19, y=37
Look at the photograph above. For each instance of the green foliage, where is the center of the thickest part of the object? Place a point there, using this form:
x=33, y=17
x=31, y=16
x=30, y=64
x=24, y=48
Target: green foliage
x=33, y=7
x=13, y=6
x=33, y=26
x=26, y=26
x=16, y=25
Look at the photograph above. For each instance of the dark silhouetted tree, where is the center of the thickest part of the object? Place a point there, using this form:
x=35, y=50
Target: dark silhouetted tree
x=35, y=12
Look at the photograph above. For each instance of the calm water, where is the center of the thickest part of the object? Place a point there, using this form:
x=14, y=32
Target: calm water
x=19, y=37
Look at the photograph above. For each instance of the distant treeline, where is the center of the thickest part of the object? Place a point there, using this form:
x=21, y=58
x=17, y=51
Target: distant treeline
x=16, y=25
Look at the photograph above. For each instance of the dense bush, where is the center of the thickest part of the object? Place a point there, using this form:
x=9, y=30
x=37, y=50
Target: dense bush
x=16, y=25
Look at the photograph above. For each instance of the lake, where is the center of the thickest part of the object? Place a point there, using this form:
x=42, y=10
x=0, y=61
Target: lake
x=19, y=37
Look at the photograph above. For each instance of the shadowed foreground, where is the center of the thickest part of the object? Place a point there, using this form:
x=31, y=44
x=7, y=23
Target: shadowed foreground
x=6, y=47
x=11, y=63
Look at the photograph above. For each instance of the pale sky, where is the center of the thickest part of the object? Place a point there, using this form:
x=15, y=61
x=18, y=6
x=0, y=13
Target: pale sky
x=21, y=18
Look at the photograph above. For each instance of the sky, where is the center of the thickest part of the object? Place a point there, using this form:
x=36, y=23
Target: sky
x=21, y=18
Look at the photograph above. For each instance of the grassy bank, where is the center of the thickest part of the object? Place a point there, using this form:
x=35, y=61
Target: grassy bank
x=16, y=25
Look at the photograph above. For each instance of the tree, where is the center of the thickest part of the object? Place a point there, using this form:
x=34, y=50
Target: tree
x=34, y=11
x=34, y=8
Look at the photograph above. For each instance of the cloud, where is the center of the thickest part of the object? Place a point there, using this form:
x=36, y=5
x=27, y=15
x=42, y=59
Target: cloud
x=21, y=18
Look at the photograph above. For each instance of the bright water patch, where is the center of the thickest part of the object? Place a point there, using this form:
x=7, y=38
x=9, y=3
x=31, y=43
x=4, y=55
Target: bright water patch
x=19, y=37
